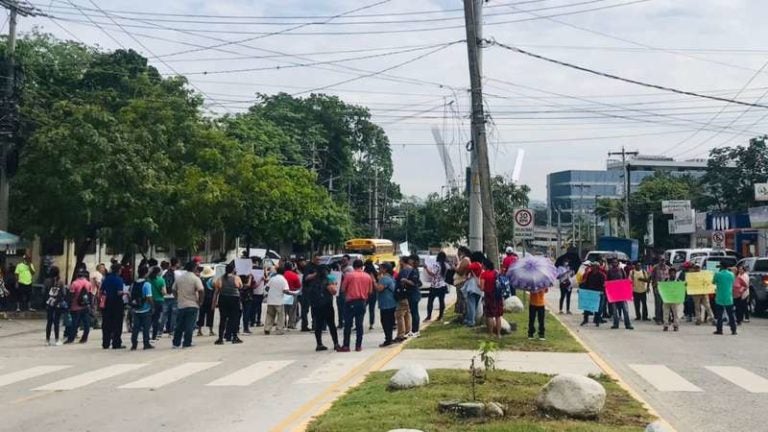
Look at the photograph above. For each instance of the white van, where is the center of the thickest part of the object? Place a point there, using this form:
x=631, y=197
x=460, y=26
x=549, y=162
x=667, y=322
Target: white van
x=677, y=257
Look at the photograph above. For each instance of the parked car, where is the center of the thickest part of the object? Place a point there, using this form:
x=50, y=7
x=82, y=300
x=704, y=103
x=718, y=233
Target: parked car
x=705, y=262
x=330, y=260
x=598, y=255
x=758, y=282
x=677, y=257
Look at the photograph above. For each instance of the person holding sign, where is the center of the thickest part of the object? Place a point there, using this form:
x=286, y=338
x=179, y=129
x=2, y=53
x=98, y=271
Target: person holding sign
x=723, y=281
x=700, y=299
x=616, y=273
x=594, y=280
x=640, y=280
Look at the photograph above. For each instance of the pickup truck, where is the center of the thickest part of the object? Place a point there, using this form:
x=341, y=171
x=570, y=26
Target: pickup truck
x=758, y=282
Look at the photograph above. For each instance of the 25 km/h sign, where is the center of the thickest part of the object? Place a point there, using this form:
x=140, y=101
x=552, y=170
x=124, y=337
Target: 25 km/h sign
x=524, y=224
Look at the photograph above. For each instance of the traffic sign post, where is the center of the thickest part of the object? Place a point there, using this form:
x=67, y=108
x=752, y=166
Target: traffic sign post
x=718, y=240
x=524, y=224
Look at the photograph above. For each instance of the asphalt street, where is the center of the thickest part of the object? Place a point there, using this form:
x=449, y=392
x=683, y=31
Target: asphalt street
x=267, y=383
x=697, y=381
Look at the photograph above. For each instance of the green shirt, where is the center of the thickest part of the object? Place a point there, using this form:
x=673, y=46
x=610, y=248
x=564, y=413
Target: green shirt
x=24, y=273
x=723, y=281
x=158, y=284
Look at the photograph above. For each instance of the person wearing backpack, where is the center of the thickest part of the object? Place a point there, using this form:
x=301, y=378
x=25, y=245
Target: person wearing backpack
x=493, y=302
x=79, y=307
x=141, y=308
x=321, y=289
x=55, y=304
x=112, y=305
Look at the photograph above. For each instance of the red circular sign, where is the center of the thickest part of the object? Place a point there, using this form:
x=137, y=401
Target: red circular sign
x=524, y=217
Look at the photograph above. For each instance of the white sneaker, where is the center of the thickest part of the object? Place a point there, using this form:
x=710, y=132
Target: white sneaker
x=409, y=335
x=59, y=343
x=415, y=335
x=48, y=342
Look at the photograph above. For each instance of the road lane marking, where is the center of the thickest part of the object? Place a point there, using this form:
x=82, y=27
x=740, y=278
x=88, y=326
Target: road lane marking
x=91, y=377
x=26, y=374
x=251, y=374
x=664, y=379
x=330, y=372
x=741, y=377
x=169, y=376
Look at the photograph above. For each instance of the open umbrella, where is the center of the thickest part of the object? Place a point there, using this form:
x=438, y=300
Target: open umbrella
x=532, y=273
x=7, y=238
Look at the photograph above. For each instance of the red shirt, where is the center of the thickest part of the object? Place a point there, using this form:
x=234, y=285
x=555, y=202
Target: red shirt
x=508, y=262
x=357, y=285
x=476, y=268
x=489, y=282
x=294, y=281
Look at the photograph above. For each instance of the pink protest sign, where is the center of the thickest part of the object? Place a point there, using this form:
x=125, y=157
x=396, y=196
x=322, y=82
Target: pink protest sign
x=618, y=290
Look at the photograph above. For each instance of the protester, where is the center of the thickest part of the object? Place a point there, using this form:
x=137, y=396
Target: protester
x=346, y=268
x=385, y=288
x=660, y=273
x=170, y=307
x=112, y=305
x=141, y=308
x=564, y=280
x=356, y=286
x=206, y=311
x=294, y=284
x=741, y=294
x=258, y=285
x=407, y=281
x=594, y=280
x=227, y=298
x=321, y=288
x=414, y=294
x=157, y=282
x=700, y=301
x=97, y=277
x=509, y=260
x=493, y=304
x=188, y=290
x=640, y=280
x=403, y=309
x=277, y=289
x=439, y=287
x=79, y=307
x=671, y=311
x=617, y=273
x=536, y=312
x=309, y=273
x=460, y=277
x=369, y=268
x=471, y=289
x=246, y=302
x=56, y=303
x=24, y=272
x=723, y=281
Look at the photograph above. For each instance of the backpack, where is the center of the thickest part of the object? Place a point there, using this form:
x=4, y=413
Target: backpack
x=84, y=298
x=401, y=290
x=502, y=290
x=137, y=295
x=169, y=278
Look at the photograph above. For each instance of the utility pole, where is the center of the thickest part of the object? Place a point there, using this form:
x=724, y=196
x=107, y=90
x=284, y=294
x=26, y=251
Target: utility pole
x=472, y=17
x=559, y=233
x=627, y=183
x=474, y=20
x=376, y=225
x=597, y=198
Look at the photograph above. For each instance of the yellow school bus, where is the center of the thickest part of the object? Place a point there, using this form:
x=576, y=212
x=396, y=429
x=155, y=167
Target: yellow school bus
x=377, y=250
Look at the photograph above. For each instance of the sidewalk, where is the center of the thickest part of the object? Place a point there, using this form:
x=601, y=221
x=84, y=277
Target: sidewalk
x=550, y=363
x=13, y=327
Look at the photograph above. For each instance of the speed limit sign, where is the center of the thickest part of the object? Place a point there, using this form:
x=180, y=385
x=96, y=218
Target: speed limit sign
x=718, y=240
x=524, y=224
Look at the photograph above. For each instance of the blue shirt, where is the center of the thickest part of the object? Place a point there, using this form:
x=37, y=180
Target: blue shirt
x=113, y=287
x=387, y=295
x=147, y=293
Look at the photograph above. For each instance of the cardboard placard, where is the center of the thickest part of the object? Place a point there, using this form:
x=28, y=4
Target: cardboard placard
x=672, y=292
x=589, y=301
x=243, y=266
x=713, y=266
x=258, y=275
x=699, y=283
x=618, y=290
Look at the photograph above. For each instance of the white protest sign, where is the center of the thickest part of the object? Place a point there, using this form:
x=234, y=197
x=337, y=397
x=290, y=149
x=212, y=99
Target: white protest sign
x=243, y=266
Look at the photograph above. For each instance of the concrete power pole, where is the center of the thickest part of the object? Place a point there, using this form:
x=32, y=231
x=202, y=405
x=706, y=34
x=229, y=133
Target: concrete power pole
x=627, y=184
x=376, y=224
x=472, y=14
x=475, y=197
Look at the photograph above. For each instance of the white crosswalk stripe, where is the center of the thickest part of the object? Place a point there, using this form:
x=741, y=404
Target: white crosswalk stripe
x=251, y=374
x=25, y=374
x=169, y=376
x=741, y=377
x=664, y=379
x=91, y=377
x=330, y=371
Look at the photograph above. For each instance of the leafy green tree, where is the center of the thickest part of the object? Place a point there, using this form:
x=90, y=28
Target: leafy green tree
x=732, y=173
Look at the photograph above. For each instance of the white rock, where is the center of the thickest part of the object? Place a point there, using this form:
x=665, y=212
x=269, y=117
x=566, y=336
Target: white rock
x=657, y=426
x=573, y=395
x=505, y=327
x=513, y=304
x=404, y=430
x=492, y=409
x=413, y=375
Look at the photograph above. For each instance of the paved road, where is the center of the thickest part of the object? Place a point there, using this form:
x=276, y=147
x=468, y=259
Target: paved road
x=257, y=386
x=696, y=380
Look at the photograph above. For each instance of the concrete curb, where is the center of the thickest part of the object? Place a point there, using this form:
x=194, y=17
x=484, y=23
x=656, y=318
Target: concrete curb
x=613, y=374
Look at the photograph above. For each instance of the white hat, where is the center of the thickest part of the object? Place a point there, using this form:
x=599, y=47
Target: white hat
x=510, y=250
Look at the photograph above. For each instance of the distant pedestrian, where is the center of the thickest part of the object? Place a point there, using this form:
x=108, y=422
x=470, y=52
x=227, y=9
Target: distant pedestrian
x=259, y=292
x=112, y=304
x=741, y=295
x=385, y=288
x=471, y=289
x=403, y=309
x=460, y=278
x=509, y=260
x=369, y=268
x=55, y=304
x=356, y=286
x=206, y=312
x=141, y=308
x=292, y=305
x=97, y=277
x=439, y=287
x=660, y=273
x=701, y=301
x=309, y=273
x=158, y=298
x=345, y=265
x=170, y=307
x=537, y=312
x=723, y=281
x=565, y=281
x=188, y=290
x=414, y=295
x=24, y=272
x=640, y=280
x=594, y=280
x=320, y=290
x=277, y=289
x=493, y=305
x=79, y=307
x=615, y=272
x=671, y=311
x=227, y=298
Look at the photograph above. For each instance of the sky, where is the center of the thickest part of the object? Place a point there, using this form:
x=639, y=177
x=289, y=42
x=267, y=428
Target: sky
x=406, y=61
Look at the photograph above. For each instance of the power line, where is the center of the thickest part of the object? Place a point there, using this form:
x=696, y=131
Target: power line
x=618, y=78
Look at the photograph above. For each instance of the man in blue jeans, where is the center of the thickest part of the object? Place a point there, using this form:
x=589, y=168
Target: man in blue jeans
x=188, y=290
x=414, y=294
x=357, y=286
x=141, y=303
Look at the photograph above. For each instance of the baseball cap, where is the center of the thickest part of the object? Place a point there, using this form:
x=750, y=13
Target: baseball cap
x=510, y=250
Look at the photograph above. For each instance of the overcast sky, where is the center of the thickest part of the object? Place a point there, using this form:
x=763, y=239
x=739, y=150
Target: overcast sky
x=561, y=118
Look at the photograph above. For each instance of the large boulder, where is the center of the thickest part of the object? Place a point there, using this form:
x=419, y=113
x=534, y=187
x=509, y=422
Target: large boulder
x=573, y=395
x=493, y=409
x=657, y=426
x=513, y=305
x=412, y=375
x=470, y=409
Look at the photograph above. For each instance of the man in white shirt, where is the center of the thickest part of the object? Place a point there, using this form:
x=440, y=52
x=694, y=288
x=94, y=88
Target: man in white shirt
x=277, y=288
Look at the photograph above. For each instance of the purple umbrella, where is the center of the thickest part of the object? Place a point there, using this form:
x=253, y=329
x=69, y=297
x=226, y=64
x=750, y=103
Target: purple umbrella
x=532, y=273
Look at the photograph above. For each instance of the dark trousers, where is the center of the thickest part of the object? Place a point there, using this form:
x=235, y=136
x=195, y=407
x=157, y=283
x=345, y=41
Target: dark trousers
x=205, y=315
x=658, y=307
x=54, y=318
x=414, y=296
x=719, y=317
x=354, y=311
x=23, y=294
x=688, y=309
x=157, y=313
x=141, y=323
x=247, y=308
x=740, y=306
x=304, y=303
x=387, y=323
x=258, y=302
x=641, y=305
x=620, y=308
x=229, y=316
x=185, y=326
x=535, y=313
x=82, y=316
x=565, y=297
x=371, y=309
x=323, y=315
x=112, y=328
x=439, y=294
x=340, y=308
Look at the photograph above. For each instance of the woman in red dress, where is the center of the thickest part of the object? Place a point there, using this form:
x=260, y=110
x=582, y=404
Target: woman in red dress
x=494, y=307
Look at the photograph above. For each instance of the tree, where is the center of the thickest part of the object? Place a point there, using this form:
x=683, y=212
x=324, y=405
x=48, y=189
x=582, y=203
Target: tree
x=732, y=173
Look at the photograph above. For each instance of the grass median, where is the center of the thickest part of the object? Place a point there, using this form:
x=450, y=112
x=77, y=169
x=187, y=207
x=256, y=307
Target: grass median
x=372, y=407
x=447, y=334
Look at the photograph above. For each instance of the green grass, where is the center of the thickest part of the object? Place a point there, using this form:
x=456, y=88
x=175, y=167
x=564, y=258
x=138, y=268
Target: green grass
x=439, y=335
x=372, y=407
